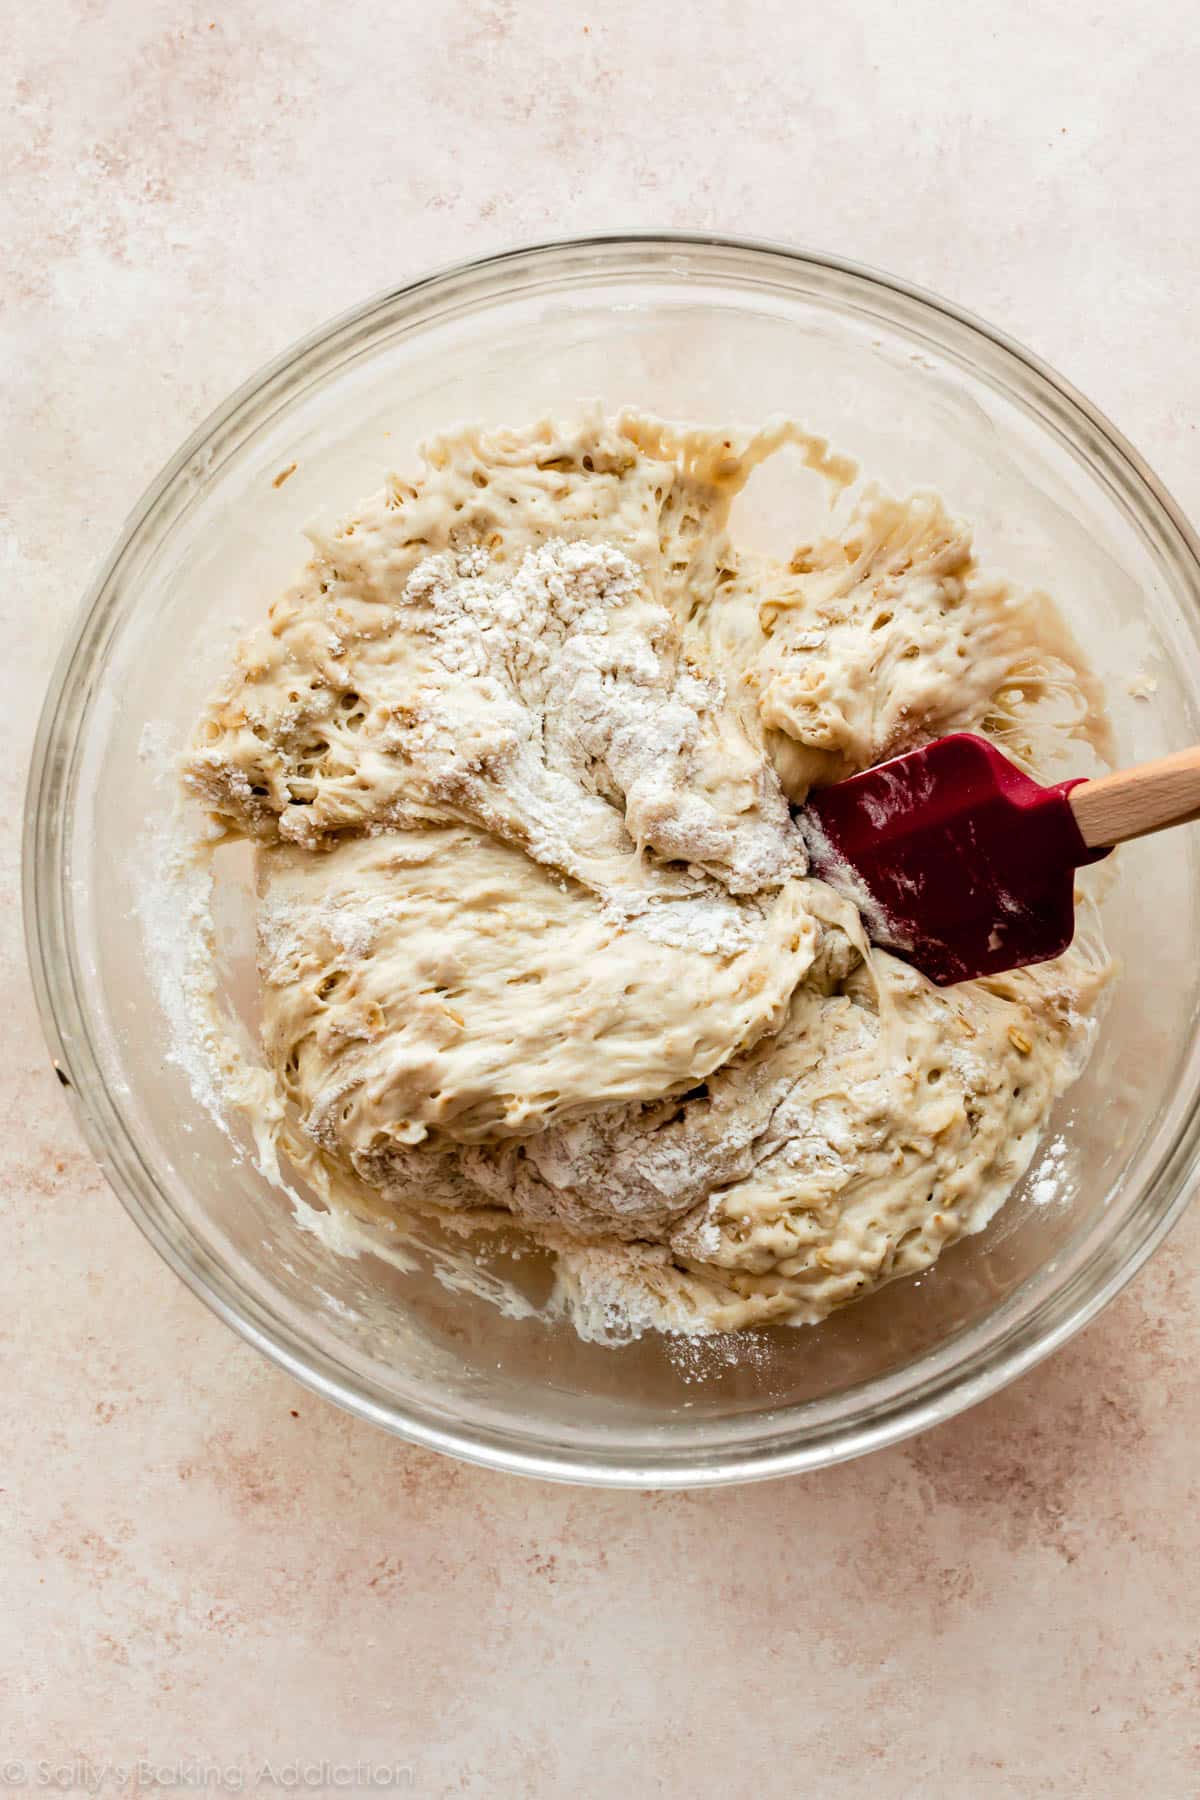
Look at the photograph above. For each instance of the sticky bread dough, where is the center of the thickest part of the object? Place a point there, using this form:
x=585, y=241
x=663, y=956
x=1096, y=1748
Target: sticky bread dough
x=439, y=982
x=536, y=939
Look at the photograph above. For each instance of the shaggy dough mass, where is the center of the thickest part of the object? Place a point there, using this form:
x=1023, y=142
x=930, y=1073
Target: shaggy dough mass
x=536, y=936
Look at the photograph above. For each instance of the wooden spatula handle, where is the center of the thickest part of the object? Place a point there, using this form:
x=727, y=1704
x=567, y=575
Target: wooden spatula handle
x=1136, y=801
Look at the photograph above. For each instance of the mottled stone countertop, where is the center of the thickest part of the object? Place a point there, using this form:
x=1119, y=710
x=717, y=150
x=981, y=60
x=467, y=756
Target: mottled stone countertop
x=199, y=1559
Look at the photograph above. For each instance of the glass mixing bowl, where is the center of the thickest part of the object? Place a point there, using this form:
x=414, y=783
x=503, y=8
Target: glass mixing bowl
x=688, y=327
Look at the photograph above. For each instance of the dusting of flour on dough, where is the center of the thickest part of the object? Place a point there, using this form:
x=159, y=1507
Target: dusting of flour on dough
x=559, y=684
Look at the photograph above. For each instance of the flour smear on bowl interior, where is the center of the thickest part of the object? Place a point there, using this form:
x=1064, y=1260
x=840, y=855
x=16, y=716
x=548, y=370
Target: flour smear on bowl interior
x=537, y=944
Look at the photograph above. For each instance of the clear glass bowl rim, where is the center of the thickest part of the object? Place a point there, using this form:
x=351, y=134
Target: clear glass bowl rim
x=976, y=1362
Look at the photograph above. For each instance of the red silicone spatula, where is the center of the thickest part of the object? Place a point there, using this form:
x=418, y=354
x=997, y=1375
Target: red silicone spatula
x=963, y=865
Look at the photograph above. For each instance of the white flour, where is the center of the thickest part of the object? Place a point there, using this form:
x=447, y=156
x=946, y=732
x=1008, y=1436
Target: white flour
x=1052, y=1180
x=562, y=711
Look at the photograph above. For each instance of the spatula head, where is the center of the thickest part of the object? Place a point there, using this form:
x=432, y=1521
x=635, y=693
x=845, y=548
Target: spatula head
x=957, y=860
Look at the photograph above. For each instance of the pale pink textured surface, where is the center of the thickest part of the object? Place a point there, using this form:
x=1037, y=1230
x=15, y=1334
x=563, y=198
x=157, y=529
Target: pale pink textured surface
x=199, y=1559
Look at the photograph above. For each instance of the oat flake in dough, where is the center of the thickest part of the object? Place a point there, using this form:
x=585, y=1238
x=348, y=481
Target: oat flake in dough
x=536, y=936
